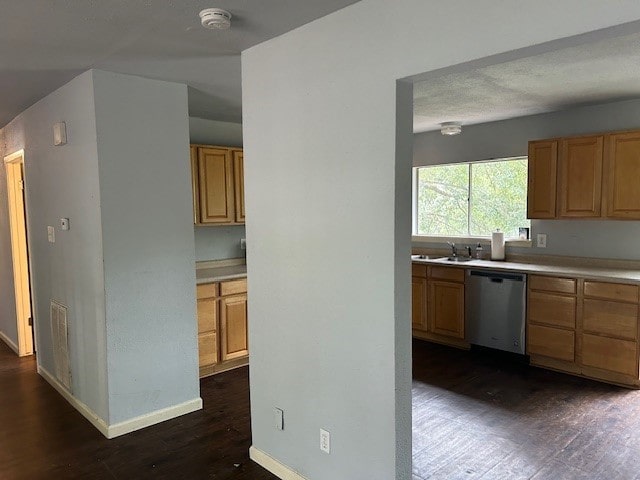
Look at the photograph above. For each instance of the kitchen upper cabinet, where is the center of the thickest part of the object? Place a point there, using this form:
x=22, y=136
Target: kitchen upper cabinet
x=223, y=339
x=622, y=174
x=218, y=185
x=238, y=179
x=580, y=176
x=542, y=174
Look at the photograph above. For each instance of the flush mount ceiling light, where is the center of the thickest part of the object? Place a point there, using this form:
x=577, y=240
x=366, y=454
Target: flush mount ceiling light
x=215, y=18
x=450, y=128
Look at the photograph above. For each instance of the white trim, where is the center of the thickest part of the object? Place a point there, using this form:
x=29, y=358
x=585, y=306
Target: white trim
x=86, y=412
x=152, y=418
x=14, y=156
x=10, y=343
x=279, y=469
x=136, y=423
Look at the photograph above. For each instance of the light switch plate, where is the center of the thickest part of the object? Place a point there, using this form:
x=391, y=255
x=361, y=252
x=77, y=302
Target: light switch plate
x=541, y=240
x=278, y=417
x=51, y=234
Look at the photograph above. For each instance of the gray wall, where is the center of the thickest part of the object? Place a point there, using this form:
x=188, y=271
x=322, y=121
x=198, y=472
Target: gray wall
x=145, y=190
x=216, y=243
x=63, y=182
x=8, y=325
x=508, y=138
x=329, y=343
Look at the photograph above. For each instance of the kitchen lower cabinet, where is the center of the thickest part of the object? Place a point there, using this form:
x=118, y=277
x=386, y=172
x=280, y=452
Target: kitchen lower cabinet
x=222, y=326
x=438, y=304
x=585, y=328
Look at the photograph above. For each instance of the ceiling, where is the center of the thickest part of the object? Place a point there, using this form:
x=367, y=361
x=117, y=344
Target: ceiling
x=44, y=44
x=599, y=72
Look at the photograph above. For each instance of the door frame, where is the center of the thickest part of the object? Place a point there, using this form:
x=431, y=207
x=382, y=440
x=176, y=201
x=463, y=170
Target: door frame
x=17, y=208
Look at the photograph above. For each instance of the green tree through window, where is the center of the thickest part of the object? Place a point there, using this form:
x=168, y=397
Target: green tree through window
x=472, y=199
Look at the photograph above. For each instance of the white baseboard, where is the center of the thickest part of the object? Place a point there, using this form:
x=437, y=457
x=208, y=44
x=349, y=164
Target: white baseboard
x=86, y=412
x=9, y=342
x=279, y=469
x=152, y=418
x=128, y=426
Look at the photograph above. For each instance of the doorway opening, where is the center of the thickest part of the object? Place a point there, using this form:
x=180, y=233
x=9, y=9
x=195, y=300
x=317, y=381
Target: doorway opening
x=14, y=166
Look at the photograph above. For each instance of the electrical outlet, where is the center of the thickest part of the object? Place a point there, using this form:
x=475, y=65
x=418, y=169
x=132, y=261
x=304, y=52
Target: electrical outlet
x=278, y=417
x=541, y=240
x=325, y=441
x=243, y=244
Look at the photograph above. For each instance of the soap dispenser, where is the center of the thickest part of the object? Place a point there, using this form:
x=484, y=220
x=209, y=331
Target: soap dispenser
x=479, y=251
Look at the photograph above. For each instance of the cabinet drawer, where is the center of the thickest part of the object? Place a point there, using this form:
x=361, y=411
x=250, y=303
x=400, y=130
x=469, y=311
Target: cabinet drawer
x=611, y=291
x=551, y=342
x=610, y=354
x=418, y=270
x=207, y=315
x=207, y=290
x=448, y=273
x=556, y=310
x=611, y=318
x=233, y=286
x=552, y=284
x=207, y=348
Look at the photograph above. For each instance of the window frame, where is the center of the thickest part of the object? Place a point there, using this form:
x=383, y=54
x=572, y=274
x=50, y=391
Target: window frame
x=415, y=237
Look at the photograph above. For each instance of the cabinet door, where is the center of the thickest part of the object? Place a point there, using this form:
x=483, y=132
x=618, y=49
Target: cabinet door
x=580, y=182
x=238, y=177
x=193, y=154
x=446, y=301
x=207, y=307
x=622, y=172
x=419, y=303
x=215, y=178
x=541, y=188
x=233, y=327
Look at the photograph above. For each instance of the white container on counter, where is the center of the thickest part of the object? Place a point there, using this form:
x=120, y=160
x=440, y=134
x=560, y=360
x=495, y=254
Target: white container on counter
x=497, y=245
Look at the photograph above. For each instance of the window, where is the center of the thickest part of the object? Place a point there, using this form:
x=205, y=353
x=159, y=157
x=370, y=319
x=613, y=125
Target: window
x=472, y=199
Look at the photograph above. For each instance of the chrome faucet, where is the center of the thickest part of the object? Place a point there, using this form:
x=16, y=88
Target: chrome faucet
x=454, y=250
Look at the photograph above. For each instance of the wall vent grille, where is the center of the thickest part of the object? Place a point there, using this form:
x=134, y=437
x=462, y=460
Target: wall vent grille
x=60, y=336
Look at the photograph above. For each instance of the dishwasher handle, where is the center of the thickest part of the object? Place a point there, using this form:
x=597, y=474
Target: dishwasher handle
x=497, y=277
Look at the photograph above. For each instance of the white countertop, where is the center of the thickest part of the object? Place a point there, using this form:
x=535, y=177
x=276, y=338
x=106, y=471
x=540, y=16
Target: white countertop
x=604, y=273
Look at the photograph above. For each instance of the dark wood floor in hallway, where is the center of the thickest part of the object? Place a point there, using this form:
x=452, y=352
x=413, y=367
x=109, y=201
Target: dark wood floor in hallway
x=43, y=437
x=481, y=416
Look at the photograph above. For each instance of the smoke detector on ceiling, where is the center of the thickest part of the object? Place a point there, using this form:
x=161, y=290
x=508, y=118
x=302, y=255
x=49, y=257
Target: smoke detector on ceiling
x=215, y=18
x=451, y=128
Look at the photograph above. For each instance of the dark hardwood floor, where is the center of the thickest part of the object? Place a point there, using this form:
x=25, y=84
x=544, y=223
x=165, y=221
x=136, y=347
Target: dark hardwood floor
x=43, y=437
x=478, y=415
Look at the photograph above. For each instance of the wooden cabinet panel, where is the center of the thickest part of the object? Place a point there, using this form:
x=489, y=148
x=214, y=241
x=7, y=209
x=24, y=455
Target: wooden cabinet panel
x=208, y=348
x=207, y=315
x=610, y=354
x=418, y=270
x=447, y=273
x=552, y=284
x=207, y=290
x=622, y=173
x=193, y=155
x=580, y=177
x=238, y=179
x=232, y=287
x=233, y=327
x=611, y=291
x=549, y=309
x=542, y=175
x=446, y=308
x=214, y=183
x=551, y=342
x=419, y=303
x=614, y=319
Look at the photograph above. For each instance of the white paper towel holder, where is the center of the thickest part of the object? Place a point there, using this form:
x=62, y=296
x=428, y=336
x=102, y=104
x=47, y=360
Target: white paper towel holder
x=497, y=246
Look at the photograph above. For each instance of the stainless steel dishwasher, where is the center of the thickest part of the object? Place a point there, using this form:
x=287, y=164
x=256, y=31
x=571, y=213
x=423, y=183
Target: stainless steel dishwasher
x=495, y=309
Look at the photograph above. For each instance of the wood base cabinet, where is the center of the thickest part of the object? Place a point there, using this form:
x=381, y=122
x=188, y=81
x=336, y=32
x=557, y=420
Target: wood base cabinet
x=584, y=327
x=438, y=304
x=222, y=326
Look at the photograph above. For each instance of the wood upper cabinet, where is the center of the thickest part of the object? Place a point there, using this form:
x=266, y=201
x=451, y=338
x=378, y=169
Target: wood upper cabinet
x=622, y=172
x=580, y=177
x=238, y=179
x=218, y=185
x=446, y=305
x=542, y=174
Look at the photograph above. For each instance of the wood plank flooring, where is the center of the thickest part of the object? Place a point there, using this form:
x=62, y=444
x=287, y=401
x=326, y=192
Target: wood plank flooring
x=478, y=415
x=43, y=437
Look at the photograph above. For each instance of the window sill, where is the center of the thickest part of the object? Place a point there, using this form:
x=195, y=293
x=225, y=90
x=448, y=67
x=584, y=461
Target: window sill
x=510, y=242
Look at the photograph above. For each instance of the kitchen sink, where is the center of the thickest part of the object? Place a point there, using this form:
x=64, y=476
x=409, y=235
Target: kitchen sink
x=425, y=257
x=457, y=259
